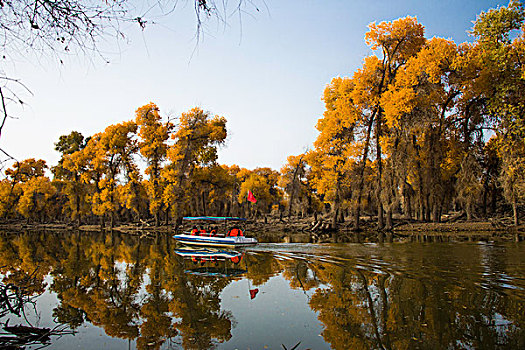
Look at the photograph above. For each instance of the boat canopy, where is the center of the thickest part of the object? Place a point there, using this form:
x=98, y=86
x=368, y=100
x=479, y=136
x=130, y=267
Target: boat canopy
x=212, y=218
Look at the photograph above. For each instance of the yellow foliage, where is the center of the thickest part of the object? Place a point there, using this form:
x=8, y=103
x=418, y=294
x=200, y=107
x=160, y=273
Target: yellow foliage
x=262, y=183
x=196, y=141
x=26, y=170
x=365, y=94
x=36, y=193
x=9, y=194
x=420, y=84
x=399, y=39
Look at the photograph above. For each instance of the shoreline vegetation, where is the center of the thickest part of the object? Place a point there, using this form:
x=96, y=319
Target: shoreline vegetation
x=426, y=136
x=306, y=230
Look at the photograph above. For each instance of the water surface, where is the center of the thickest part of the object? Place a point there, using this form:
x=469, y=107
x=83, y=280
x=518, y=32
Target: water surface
x=115, y=291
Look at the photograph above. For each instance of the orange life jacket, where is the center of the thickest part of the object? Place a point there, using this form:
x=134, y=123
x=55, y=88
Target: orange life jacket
x=235, y=232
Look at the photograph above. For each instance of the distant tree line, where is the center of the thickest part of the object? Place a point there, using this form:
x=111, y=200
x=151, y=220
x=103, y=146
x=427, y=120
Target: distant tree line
x=98, y=179
x=423, y=128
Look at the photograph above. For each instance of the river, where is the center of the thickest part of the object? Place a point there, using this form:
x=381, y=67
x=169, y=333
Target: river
x=119, y=291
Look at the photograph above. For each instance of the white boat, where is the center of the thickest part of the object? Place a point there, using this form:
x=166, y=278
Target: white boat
x=233, y=236
x=214, y=241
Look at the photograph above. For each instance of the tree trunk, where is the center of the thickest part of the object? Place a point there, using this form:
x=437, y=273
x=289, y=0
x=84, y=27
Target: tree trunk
x=468, y=209
x=203, y=199
x=380, y=216
x=427, y=208
x=168, y=215
x=435, y=213
x=408, y=208
x=441, y=207
x=334, y=217
x=485, y=199
x=515, y=212
x=494, y=200
x=357, y=214
x=421, y=208
x=228, y=208
x=389, y=222
x=294, y=179
x=77, y=209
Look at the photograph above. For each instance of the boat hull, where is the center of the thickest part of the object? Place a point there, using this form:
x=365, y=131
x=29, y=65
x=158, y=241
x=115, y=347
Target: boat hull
x=207, y=241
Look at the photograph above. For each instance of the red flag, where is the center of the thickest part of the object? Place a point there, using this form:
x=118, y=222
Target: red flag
x=251, y=197
x=253, y=292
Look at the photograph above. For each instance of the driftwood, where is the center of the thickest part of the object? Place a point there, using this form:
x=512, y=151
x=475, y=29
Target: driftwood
x=143, y=223
x=316, y=225
x=455, y=217
x=13, y=300
x=20, y=336
x=496, y=223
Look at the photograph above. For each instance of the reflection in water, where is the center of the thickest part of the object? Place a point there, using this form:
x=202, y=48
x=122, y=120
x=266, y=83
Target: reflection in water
x=15, y=301
x=155, y=295
x=212, y=262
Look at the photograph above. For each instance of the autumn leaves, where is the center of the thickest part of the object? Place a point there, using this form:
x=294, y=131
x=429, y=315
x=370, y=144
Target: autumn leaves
x=142, y=169
x=423, y=127
x=409, y=128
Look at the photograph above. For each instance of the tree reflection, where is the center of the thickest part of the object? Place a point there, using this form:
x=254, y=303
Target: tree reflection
x=262, y=266
x=300, y=274
x=137, y=289
x=342, y=309
x=133, y=288
x=15, y=301
x=362, y=309
x=197, y=303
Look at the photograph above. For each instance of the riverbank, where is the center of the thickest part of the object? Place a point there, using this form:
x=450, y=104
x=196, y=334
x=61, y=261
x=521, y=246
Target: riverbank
x=306, y=230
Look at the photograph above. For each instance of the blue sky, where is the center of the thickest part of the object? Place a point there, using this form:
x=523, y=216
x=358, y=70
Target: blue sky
x=265, y=72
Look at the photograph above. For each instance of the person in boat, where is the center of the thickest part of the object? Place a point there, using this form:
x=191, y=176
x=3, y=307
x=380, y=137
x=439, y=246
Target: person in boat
x=194, y=231
x=235, y=231
x=203, y=232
